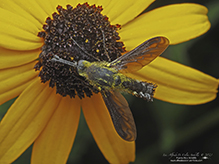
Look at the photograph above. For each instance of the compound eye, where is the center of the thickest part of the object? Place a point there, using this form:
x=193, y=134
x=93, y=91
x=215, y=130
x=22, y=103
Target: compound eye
x=81, y=65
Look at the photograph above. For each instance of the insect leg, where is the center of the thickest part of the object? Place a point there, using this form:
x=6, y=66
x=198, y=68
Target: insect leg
x=93, y=88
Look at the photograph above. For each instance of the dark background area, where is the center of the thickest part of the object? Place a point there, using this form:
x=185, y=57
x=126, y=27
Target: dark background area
x=165, y=128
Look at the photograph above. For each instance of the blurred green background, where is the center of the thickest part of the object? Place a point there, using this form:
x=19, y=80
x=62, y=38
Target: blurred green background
x=165, y=128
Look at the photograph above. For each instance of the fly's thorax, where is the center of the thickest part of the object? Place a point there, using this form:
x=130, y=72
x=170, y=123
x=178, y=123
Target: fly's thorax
x=140, y=89
x=97, y=73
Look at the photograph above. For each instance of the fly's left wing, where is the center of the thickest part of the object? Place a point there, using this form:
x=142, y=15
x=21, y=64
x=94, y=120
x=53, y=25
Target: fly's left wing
x=142, y=55
x=121, y=114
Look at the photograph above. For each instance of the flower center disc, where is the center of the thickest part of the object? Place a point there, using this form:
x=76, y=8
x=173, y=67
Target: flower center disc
x=74, y=34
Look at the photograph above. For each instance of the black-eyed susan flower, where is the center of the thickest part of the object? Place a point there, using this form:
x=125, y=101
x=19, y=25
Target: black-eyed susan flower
x=47, y=110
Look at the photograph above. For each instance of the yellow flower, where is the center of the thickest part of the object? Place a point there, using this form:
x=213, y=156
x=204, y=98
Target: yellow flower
x=50, y=121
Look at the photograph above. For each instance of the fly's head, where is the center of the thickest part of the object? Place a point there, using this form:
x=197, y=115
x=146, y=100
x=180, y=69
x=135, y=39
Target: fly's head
x=82, y=67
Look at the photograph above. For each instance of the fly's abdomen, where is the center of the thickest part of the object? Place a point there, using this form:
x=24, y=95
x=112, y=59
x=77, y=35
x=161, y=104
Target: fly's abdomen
x=139, y=88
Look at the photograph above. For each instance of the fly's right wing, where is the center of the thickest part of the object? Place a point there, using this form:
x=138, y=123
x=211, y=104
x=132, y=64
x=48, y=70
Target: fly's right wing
x=140, y=56
x=121, y=114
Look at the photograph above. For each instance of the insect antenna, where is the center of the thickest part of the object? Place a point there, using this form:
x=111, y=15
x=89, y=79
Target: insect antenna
x=85, y=50
x=104, y=45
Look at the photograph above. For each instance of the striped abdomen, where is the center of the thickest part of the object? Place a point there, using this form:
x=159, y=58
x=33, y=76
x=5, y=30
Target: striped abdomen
x=139, y=88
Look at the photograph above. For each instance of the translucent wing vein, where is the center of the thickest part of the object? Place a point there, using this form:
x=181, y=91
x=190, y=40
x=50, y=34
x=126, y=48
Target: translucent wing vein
x=121, y=115
x=141, y=55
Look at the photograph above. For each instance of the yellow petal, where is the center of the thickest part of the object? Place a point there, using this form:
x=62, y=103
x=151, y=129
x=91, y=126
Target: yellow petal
x=14, y=80
x=55, y=142
x=178, y=83
x=10, y=18
x=13, y=71
x=102, y=3
x=178, y=22
x=17, y=32
x=113, y=147
x=25, y=120
x=48, y=7
x=33, y=8
x=14, y=92
x=63, y=3
x=19, y=10
x=10, y=58
x=15, y=43
x=125, y=11
x=75, y=3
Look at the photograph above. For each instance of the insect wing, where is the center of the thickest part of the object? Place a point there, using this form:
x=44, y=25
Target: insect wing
x=121, y=115
x=142, y=55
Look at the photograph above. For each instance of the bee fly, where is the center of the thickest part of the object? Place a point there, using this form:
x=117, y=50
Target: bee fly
x=109, y=79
